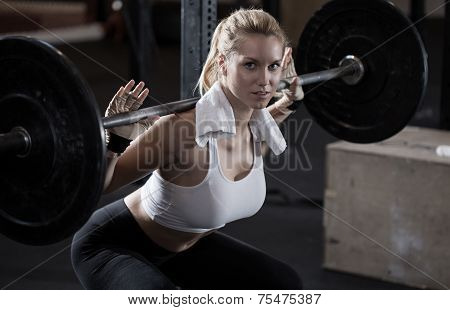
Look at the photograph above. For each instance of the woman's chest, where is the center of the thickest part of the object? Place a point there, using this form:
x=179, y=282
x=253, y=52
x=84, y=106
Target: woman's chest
x=191, y=165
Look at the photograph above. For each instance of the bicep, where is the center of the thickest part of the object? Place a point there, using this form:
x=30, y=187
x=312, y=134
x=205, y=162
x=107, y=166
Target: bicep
x=145, y=154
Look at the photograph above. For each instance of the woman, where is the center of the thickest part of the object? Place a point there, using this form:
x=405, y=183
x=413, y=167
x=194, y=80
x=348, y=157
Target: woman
x=207, y=171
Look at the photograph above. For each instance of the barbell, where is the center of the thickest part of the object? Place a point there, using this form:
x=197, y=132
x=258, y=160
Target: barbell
x=368, y=56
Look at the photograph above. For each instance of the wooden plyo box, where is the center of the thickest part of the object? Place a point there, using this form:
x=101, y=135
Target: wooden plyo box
x=387, y=209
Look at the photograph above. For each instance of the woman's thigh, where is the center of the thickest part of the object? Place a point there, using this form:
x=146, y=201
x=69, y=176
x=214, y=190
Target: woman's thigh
x=111, y=252
x=122, y=270
x=219, y=261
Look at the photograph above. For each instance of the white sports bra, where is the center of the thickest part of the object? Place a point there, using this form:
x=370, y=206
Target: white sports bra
x=210, y=204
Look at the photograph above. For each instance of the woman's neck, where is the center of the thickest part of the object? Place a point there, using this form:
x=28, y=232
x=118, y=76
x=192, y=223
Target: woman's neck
x=242, y=113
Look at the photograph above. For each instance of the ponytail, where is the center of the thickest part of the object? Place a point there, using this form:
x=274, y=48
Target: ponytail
x=210, y=71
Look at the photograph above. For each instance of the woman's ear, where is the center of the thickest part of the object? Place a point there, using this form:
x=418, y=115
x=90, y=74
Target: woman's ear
x=221, y=61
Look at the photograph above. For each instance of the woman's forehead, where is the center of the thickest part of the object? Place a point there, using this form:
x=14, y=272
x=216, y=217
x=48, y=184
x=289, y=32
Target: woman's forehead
x=258, y=46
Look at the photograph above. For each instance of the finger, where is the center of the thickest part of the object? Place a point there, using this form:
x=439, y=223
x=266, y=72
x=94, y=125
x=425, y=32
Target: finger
x=288, y=93
x=118, y=100
x=298, y=82
x=121, y=91
x=286, y=52
x=290, y=70
x=297, y=90
x=299, y=93
x=132, y=99
x=132, y=96
x=121, y=104
x=286, y=57
x=115, y=99
x=129, y=86
x=140, y=99
x=294, y=82
x=118, y=92
x=138, y=89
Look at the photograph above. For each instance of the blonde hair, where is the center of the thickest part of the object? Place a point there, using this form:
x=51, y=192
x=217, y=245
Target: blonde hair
x=228, y=35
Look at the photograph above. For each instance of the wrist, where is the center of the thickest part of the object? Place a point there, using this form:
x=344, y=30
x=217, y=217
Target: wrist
x=117, y=144
x=283, y=105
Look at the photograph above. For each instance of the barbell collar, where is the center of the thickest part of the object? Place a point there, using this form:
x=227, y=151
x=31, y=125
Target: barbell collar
x=351, y=70
x=16, y=142
x=322, y=76
x=355, y=69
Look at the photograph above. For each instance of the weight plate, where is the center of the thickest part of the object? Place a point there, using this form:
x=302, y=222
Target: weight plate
x=48, y=194
x=395, y=63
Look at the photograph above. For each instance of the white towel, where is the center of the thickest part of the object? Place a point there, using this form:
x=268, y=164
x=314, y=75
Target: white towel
x=215, y=116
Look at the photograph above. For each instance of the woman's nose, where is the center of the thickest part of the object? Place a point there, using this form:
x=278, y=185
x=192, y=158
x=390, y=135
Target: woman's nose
x=263, y=77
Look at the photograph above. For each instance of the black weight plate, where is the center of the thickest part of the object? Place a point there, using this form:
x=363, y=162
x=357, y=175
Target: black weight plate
x=47, y=195
x=395, y=62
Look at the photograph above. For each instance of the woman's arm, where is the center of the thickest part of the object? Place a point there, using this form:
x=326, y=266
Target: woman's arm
x=148, y=152
x=279, y=113
x=118, y=139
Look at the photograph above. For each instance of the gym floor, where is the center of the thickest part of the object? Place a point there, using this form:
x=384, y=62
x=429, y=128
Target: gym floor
x=289, y=226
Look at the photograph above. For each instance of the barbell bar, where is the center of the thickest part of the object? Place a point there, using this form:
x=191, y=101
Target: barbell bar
x=350, y=68
x=19, y=141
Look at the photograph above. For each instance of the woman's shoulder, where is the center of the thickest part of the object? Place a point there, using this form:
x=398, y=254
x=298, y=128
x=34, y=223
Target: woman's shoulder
x=173, y=130
x=176, y=122
x=183, y=125
x=187, y=116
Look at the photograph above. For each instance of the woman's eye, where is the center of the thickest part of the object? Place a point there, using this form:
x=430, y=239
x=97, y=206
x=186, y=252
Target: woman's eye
x=274, y=67
x=249, y=65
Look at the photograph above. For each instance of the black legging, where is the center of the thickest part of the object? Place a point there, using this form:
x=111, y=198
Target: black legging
x=112, y=252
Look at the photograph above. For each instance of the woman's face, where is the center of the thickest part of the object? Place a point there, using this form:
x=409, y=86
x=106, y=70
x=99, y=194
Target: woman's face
x=253, y=72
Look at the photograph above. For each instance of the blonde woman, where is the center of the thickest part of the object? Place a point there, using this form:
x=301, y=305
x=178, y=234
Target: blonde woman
x=207, y=166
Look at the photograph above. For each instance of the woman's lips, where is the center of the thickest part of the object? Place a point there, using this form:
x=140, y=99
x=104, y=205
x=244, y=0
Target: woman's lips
x=261, y=94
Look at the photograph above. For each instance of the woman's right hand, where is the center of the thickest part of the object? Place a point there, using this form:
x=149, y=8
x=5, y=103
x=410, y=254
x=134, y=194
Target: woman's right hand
x=128, y=99
x=125, y=100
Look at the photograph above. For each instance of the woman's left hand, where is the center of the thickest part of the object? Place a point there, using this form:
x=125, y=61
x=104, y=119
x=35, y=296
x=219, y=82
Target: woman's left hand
x=294, y=93
x=295, y=90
